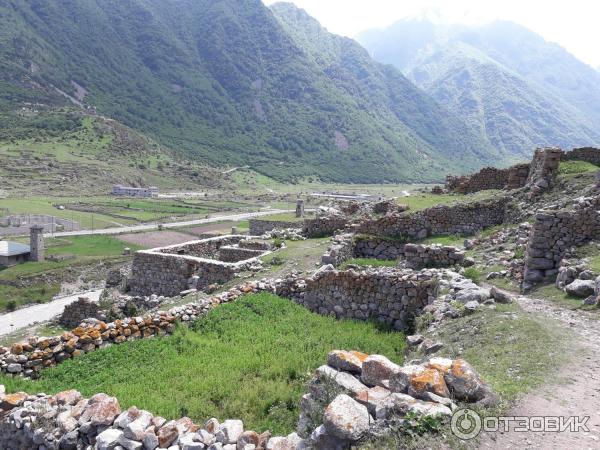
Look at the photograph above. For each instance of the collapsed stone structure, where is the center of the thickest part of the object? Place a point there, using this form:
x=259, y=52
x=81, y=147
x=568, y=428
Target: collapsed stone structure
x=553, y=233
x=78, y=311
x=489, y=178
x=538, y=175
x=462, y=219
x=174, y=269
x=414, y=256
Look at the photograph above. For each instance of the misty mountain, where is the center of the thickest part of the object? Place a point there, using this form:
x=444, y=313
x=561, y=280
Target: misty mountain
x=518, y=90
x=227, y=82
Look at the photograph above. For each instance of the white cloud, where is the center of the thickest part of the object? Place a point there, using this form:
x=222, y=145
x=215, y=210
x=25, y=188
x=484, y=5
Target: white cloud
x=573, y=24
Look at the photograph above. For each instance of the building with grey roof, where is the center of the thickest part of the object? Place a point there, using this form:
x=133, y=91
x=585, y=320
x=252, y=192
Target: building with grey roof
x=12, y=253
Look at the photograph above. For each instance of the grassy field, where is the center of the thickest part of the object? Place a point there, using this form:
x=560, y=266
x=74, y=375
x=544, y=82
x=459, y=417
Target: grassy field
x=248, y=359
x=576, y=167
x=77, y=251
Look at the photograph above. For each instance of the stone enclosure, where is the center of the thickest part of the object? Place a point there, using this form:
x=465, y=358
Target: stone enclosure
x=171, y=270
x=538, y=174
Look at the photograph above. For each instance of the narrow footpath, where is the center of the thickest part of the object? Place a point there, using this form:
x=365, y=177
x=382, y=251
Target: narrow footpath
x=576, y=391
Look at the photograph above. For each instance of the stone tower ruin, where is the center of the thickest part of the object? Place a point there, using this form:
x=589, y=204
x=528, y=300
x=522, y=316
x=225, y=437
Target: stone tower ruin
x=36, y=242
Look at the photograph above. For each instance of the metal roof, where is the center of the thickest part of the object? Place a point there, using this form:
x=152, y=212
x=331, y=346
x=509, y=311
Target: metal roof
x=8, y=248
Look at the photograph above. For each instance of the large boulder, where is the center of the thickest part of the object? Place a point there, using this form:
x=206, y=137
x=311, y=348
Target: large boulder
x=346, y=419
x=377, y=370
x=581, y=288
x=500, y=296
x=101, y=410
x=346, y=361
x=465, y=384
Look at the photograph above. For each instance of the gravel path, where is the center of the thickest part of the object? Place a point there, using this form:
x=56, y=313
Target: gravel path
x=26, y=317
x=577, y=393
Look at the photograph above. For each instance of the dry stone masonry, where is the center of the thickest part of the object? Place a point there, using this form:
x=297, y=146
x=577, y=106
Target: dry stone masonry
x=538, y=175
x=194, y=265
x=389, y=295
x=553, y=233
x=414, y=256
x=259, y=227
x=355, y=396
x=462, y=219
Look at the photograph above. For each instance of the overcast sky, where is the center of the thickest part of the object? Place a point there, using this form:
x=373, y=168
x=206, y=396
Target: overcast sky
x=574, y=24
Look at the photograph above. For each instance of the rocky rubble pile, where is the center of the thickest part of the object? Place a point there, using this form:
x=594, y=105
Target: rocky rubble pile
x=67, y=421
x=463, y=296
x=353, y=397
x=357, y=396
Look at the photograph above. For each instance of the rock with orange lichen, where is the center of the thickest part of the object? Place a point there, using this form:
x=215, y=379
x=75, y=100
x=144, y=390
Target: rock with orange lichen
x=465, y=384
x=349, y=361
x=11, y=401
x=429, y=380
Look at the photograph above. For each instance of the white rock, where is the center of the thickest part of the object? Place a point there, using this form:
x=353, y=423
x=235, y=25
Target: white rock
x=346, y=418
x=108, y=439
x=230, y=431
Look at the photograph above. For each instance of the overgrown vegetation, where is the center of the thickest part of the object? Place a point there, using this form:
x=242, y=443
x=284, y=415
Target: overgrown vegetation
x=248, y=359
x=576, y=167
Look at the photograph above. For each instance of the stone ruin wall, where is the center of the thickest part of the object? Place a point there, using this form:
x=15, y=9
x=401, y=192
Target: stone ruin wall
x=388, y=295
x=553, y=233
x=489, y=178
x=259, y=227
x=461, y=219
x=78, y=311
x=166, y=271
x=323, y=226
x=415, y=256
x=539, y=173
x=588, y=154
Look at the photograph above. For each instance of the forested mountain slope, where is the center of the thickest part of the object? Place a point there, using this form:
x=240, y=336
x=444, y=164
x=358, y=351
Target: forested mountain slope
x=228, y=83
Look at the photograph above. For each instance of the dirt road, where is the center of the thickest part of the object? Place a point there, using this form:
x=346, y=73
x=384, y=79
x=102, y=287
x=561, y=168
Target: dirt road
x=25, y=317
x=575, y=393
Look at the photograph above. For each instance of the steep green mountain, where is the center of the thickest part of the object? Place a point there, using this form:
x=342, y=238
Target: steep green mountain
x=480, y=73
x=225, y=82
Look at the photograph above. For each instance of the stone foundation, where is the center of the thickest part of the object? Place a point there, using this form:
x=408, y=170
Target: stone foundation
x=462, y=219
x=258, y=227
x=170, y=270
x=391, y=296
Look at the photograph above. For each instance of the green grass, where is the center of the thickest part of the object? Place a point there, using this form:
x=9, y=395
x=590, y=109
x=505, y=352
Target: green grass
x=475, y=274
x=576, y=167
x=249, y=359
x=83, y=249
x=373, y=262
x=550, y=292
x=514, y=351
x=453, y=240
x=14, y=296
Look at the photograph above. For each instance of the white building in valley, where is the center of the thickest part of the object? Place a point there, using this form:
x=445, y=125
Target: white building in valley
x=128, y=191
